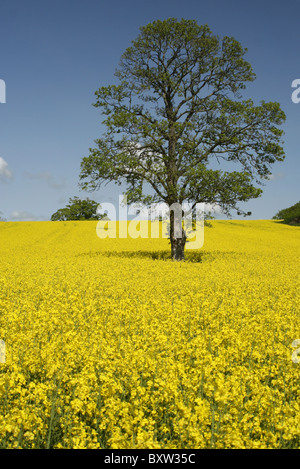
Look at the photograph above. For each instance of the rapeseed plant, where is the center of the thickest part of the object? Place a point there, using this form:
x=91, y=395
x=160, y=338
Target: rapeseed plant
x=110, y=344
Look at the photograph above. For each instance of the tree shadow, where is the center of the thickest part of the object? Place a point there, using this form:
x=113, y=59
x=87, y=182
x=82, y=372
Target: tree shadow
x=287, y=223
x=155, y=255
x=190, y=256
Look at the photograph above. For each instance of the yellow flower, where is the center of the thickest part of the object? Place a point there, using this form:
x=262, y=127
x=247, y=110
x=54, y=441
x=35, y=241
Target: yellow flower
x=110, y=344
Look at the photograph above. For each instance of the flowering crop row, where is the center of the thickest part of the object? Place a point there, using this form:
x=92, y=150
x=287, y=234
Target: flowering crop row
x=110, y=344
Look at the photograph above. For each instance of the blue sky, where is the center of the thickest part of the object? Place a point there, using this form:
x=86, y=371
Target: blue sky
x=56, y=54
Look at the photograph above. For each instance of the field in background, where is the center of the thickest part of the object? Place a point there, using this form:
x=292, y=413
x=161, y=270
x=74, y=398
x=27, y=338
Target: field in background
x=110, y=344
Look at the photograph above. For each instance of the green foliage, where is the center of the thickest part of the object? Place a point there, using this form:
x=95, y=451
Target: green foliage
x=289, y=215
x=176, y=111
x=78, y=209
x=178, y=107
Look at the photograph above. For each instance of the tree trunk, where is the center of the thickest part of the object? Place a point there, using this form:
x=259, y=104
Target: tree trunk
x=177, y=248
x=177, y=238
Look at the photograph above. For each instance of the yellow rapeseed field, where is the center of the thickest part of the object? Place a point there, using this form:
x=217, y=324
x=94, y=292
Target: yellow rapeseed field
x=110, y=344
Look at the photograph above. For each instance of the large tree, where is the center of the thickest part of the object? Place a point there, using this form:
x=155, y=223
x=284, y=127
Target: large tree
x=177, y=111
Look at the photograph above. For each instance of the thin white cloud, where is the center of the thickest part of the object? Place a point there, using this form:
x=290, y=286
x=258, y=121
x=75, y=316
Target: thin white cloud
x=213, y=208
x=22, y=215
x=5, y=172
x=48, y=178
x=276, y=176
x=144, y=158
x=162, y=209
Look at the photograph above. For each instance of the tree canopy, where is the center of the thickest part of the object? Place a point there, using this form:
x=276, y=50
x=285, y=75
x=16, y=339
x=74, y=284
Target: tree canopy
x=78, y=209
x=176, y=115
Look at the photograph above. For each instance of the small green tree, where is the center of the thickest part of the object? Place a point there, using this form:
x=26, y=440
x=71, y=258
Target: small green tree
x=78, y=209
x=289, y=215
x=176, y=112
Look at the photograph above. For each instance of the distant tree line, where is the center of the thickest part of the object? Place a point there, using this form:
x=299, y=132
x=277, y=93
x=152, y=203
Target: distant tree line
x=78, y=209
x=289, y=215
